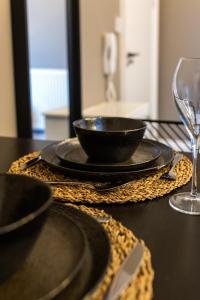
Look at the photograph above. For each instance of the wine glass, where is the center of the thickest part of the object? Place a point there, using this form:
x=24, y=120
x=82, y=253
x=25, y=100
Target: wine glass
x=186, y=91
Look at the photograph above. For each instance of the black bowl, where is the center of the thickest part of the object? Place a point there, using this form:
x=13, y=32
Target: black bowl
x=23, y=207
x=109, y=139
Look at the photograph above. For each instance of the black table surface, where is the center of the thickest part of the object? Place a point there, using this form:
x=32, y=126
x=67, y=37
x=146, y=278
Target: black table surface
x=173, y=238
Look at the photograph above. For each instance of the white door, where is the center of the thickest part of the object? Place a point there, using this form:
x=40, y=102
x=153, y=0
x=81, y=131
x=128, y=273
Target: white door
x=139, y=46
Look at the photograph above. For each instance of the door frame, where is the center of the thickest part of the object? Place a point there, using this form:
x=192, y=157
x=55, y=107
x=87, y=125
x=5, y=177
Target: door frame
x=154, y=85
x=21, y=64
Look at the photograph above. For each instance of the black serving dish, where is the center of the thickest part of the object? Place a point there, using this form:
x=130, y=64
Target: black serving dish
x=109, y=139
x=23, y=207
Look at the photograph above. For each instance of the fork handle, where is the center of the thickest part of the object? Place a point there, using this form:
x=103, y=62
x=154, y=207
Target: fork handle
x=103, y=188
x=65, y=182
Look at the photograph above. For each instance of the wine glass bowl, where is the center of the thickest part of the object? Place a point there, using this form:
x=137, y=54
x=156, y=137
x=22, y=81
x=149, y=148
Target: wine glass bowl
x=186, y=92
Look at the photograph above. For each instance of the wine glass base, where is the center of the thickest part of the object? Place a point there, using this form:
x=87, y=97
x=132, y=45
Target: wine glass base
x=186, y=203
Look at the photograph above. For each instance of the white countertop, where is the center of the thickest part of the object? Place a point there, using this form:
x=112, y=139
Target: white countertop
x=112, y=109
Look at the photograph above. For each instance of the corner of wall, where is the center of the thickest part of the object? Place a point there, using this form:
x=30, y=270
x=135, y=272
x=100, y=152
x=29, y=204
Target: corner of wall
x=7, y=97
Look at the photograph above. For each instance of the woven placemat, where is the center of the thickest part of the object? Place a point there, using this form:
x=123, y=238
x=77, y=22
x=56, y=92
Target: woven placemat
x=122, y=241
x=147, y=187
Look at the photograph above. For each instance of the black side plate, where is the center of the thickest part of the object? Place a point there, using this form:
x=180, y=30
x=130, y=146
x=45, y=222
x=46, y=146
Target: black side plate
x=71, y=154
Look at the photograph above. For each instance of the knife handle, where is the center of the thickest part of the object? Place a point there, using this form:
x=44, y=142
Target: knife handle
x=30, y=163
x=126, y=273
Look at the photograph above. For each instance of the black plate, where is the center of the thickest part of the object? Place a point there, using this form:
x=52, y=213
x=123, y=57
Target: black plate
x=62, y=259
x=49, y=156
x=99, y=245
x=72, y=154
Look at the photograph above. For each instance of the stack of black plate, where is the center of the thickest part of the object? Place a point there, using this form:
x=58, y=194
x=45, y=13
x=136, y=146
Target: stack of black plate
x=69, y=157
x=68, y=260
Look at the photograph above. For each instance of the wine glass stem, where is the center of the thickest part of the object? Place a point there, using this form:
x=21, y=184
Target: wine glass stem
x=195, y=150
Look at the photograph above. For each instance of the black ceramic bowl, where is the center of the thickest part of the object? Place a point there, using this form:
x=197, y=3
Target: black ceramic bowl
x=23, y=207
x=109, y=139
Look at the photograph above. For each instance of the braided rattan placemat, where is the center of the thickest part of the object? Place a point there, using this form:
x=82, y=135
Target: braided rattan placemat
x=122, y=241
x=147, y=187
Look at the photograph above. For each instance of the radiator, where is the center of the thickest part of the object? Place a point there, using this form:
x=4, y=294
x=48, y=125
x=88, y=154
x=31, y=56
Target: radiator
x=49, y=90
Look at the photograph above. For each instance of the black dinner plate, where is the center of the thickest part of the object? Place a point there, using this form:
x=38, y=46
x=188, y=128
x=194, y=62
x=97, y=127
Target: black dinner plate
x=64, y=263
x=72, y=154
x=49, y=156
x=99, y=245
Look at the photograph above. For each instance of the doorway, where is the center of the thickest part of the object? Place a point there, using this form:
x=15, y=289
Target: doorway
x=26, y=66
x=48, y=67
x=139, y=45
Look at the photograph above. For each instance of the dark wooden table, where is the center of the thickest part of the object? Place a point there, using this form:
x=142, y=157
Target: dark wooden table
x=172, y=237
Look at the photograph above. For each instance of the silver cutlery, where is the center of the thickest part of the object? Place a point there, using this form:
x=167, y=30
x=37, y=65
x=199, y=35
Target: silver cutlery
x=102, y=219
x=107, y=187
x=126, y=273
x=98, y=188
x=30, y=163
x=171, y=175
x=103, y=188
x=112, y=186
x=67, y=182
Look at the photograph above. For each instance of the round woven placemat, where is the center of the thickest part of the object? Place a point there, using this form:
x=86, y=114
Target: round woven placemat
x=122, y=241
x=147, y=187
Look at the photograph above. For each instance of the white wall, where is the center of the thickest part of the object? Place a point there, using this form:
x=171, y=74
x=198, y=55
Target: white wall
x=97, y=17
x=7, y=99
x=179, y=36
